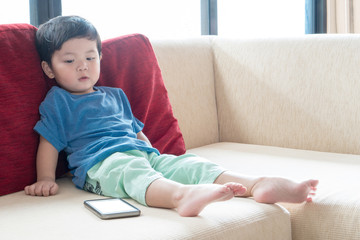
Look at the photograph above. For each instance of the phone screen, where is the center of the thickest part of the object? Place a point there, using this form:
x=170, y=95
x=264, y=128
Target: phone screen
x=112, y=208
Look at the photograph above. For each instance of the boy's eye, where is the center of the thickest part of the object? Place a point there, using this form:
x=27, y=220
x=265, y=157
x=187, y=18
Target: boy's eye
x=90, y=58
x=69, y=61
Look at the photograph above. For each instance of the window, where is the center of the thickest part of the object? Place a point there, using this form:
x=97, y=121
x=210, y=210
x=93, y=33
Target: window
x=155, y=18
x=176, y=18
x=261, y=18
x=14, y=12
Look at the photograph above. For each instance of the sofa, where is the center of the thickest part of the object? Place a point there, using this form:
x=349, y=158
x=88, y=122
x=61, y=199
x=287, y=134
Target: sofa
x=263, y=107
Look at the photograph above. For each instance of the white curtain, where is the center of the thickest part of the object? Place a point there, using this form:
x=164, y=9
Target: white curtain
x=343, y=16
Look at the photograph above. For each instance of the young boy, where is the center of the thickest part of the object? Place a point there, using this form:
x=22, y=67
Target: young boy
x=108, y=154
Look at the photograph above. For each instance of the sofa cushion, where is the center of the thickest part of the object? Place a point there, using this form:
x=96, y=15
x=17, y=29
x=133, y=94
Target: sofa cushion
x=128, y=63
x=234, y=219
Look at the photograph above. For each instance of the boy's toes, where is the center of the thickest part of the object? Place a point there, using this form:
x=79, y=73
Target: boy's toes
x=240, y=191
x=237, y=188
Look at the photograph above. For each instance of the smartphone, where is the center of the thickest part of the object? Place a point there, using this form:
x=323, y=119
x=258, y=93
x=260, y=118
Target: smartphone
x=108, y=208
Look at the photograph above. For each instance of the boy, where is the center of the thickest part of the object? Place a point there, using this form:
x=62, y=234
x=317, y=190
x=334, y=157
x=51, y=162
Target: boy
x=108, y=153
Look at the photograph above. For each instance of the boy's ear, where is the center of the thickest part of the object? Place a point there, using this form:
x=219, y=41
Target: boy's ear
x=47, y=69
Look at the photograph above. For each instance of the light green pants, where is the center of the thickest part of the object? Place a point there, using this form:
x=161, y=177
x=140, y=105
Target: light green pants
x=129, y=174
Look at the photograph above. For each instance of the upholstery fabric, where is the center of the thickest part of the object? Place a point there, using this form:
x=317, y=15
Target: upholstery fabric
x=297, y=93
x=232, y=220
x=128, y=62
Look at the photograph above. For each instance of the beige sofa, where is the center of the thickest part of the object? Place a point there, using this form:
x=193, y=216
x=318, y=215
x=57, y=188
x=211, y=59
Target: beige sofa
x=284, y=107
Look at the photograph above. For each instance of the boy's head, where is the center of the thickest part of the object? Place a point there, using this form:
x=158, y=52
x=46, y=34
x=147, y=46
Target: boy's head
x=53, y=34
x=70, y=52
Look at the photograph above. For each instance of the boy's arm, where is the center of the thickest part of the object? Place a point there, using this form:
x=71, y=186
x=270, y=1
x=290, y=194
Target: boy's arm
x=141, y=136
x=46, y=161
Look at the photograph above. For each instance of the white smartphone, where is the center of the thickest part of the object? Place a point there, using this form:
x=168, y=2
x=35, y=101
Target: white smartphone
x=108, y=208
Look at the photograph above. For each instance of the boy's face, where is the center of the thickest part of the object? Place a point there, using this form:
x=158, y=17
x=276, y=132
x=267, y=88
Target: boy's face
x=76, y=66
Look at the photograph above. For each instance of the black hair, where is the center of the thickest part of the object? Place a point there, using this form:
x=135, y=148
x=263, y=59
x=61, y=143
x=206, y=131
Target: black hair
x=54, y=33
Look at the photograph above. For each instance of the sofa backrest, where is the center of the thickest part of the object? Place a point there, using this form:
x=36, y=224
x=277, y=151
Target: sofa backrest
x=187, y=70
x=298, y=93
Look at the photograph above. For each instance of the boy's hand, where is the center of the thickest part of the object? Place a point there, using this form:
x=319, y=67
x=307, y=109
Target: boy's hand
x=42, y=188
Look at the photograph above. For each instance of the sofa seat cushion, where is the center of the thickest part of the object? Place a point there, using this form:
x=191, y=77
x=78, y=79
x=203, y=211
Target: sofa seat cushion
x=334, y=212
x=63, y=215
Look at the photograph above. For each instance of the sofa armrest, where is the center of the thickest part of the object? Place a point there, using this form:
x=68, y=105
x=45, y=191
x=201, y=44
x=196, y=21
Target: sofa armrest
x=187, y=69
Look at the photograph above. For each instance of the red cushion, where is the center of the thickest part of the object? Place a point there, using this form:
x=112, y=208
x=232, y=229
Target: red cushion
x=22, y=88
x=128, y=62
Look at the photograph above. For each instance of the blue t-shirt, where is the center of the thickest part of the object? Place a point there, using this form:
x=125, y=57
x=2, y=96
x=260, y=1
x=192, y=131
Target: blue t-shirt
x=89, y=127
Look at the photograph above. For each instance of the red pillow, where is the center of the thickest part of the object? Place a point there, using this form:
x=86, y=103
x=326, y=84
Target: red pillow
x=22, y=88
x=128, y=62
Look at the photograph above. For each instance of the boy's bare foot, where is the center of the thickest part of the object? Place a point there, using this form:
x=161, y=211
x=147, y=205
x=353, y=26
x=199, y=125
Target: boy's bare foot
x=194, y=198
x=272, y=190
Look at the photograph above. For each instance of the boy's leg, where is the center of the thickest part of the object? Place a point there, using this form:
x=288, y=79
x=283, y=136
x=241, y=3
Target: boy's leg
x=191, y=169
x=272, y=189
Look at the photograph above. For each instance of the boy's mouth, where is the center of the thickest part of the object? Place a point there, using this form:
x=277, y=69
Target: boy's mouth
x=83, y=78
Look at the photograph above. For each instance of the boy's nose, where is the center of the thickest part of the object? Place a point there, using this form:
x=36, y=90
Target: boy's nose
x=82, y=66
